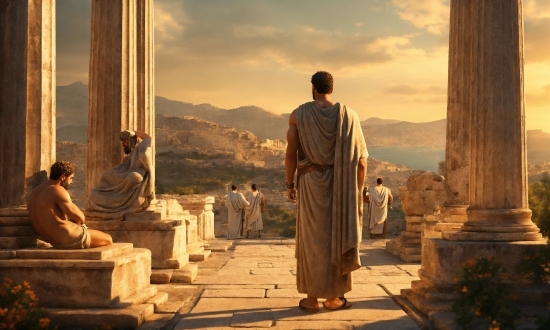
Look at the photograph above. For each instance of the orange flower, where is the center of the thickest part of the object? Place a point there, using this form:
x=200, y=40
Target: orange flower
x=464, y=289
x=44, y=322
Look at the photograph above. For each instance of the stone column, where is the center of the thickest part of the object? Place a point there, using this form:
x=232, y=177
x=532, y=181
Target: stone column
x=498, y=208
x=457, y=149
x=27, y=97
x=112, y=84
x=145, y=67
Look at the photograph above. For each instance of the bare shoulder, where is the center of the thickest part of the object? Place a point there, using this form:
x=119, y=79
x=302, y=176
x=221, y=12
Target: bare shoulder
x=292, y=118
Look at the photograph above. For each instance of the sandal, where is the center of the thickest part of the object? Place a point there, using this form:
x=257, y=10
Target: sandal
x=345, y=304
x=309, y=310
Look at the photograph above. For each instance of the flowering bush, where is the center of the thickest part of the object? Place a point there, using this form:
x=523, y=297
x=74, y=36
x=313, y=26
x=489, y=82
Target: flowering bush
x=484, y=295
x=536, y=264
x=18, y=307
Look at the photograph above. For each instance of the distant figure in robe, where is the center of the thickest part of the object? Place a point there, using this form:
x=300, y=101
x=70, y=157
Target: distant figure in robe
x=379, y=199
x=253, y=213
x=235, y=203
x=126, y=188
x=56, y=218
x=327, y=148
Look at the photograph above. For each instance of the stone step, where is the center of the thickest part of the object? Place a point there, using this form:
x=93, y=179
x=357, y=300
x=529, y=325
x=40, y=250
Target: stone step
x=421, y=320
x=187, y=274
x=127, y=317
x=172, y=263
x=138, y=298
x=14, y=211
x=17, y=231
x=15, y=221
x=411, y=250
x=410, y=257
x=20, y=242
x=99, y=253
x=161, y=276
x=410, y=234
x=145, y=216
x=424, y=305
x=146, y=225
x=200, y=255
x=157, y=300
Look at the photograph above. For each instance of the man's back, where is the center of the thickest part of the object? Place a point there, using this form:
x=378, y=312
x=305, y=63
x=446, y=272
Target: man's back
x=47, y=217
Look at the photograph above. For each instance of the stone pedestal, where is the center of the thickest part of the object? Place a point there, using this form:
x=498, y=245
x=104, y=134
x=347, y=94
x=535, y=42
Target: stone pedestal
x=96, y=284
x=27, y=97
x=16, y=230
x=421, y=199
x=163, y=233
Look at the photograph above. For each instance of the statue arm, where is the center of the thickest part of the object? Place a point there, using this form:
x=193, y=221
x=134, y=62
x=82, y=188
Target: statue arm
x=69, y=208
x=142, y=135
x=291, y=159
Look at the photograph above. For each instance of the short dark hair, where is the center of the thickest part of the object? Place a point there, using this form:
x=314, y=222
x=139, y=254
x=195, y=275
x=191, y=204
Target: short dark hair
x=61, y=168
x=323, y=82
x=254, y=187
x=379, y=180
x=233, y=187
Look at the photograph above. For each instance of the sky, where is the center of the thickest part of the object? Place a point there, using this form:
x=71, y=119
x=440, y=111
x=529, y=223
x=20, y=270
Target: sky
x=389, y=58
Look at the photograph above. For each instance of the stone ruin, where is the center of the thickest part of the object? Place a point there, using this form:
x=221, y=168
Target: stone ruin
x=112, y=284
x=422, y=199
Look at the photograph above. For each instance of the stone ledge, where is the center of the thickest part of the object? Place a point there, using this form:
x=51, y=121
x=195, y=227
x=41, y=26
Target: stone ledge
x=15, y=221
x=161, y=276
x=187, y=274
x=174, y=263
x=20, y=242
x=99, y=253
x=128, y=317
x=145, y=216
x=140, y=297
x=141, y=225
x=200, y=255
x=14, y=212
x=110, y=263
x=17, y=231
x=157, y=300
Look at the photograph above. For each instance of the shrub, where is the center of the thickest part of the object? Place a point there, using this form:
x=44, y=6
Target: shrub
x=539, y=203
x=484, y=295
x=280, y=220
x=535, y=264
x=18, y=307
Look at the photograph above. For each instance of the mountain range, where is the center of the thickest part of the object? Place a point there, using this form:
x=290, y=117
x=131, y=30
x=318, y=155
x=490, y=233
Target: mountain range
x=72, y=105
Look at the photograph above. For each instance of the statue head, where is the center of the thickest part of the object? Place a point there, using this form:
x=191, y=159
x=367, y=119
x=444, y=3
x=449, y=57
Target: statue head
x=128, y=140
x=63, y=171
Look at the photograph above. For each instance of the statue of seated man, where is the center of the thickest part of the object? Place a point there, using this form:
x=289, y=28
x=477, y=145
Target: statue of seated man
x=54, y=216
x=128, y=187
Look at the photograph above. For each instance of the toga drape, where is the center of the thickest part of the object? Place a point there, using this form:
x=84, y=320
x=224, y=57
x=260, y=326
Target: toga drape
x=126, y=188
x=235, y=203
x=329, y=204
x=253, y=213
x=378, y=209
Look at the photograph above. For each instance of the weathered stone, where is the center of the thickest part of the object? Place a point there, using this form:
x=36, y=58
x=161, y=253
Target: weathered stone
x=172, y=263
x=140, y=297
x=156, y=321
x=20, y=242
x=9, y=221
x=14, y=212
x=144, y=216
x=157, y=300
x=27, y=97
x=199, y=255
x=235, y=293
x=117, y=225
x=17, y=231
x=187, y=274
x=161, y=276
x=86, y=283
x=252, y=319
x=128, y=317
x=99, y=253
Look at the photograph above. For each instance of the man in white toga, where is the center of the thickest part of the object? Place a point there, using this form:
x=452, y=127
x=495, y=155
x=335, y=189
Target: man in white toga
x=253, y=213
x=379, y=199
x=235, y=203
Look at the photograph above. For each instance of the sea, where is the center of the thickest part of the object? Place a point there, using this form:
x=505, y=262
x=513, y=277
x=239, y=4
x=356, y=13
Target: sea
x=415, y=158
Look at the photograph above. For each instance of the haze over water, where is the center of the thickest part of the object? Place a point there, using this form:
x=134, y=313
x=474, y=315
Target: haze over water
x=415, y=158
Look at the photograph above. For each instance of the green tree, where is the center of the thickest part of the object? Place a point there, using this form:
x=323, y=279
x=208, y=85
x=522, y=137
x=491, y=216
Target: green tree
x=539, y=203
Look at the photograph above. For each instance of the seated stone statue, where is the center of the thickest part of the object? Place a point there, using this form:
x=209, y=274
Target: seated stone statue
x=54, y=216
x=128, y=187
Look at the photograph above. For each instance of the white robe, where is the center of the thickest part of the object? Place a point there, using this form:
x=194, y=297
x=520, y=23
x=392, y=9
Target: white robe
x=378, y=209
x=128, y=187
x=235, y=203
x=253, y=213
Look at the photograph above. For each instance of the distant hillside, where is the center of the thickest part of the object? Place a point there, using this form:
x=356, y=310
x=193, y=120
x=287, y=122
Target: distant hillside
x=538, y=146
x=429, y=134
x=378, y=121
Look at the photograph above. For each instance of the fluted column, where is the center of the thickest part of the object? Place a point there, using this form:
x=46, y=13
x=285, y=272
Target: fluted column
x=27, y=96
x=145, y=66
x=498, y=208
x=457, y=149
x=112, y=84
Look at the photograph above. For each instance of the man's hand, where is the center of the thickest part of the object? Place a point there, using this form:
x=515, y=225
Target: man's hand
x=291, y=194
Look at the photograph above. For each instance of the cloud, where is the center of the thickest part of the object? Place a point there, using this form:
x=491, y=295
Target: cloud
x=537, y=40
x=432, y=15
x=541, y=99
x=536, y=9
x=404, y=89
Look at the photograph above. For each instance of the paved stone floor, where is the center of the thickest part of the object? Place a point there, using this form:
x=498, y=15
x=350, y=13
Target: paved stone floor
x=253, y=286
